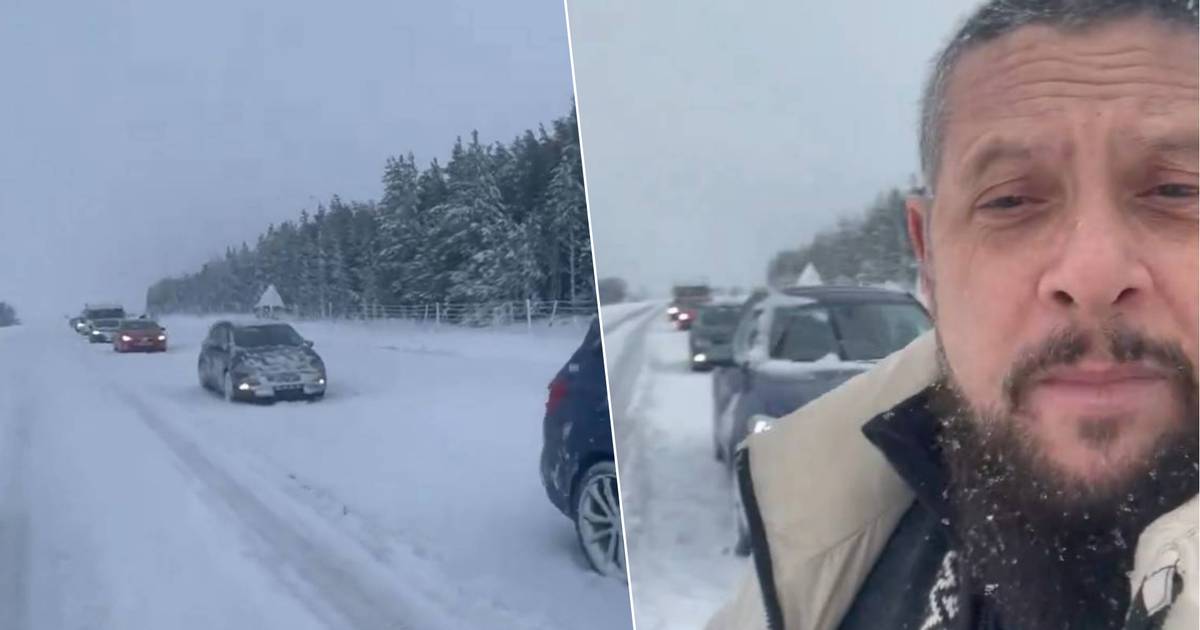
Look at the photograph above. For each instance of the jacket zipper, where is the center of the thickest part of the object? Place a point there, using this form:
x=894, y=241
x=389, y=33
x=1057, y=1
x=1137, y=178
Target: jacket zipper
x=758, y=542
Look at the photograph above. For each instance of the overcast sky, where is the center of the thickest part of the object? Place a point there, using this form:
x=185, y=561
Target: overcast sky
x=139, y=137
x=717, y=132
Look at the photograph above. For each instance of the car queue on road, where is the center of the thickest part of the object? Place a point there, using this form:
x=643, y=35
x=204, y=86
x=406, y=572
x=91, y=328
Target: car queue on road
x=261, y=362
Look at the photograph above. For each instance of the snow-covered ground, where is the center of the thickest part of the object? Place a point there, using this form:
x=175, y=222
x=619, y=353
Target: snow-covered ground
x=679, y=527
x=409, y=498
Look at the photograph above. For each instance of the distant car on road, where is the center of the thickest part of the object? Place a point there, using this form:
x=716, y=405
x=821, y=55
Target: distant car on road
x=260, y=362
x=710, y=339
x=793, y=346
x=577, y=463
x=92, y=313
x=140, y=335
x=102, y=330
x=685, y=299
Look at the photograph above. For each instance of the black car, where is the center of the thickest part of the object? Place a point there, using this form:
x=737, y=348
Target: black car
x=795, y=345
x=577, y=461
x=260, y=362
x=710, y=338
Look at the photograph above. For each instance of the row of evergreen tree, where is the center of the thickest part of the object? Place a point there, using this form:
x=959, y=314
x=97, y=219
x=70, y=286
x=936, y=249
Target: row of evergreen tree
x=872, y=249
x=495, y=223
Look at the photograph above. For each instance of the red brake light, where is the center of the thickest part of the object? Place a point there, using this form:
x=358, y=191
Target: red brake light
x=558, y=391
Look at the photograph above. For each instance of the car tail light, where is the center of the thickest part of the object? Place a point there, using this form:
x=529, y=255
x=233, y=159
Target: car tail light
x=558, y=391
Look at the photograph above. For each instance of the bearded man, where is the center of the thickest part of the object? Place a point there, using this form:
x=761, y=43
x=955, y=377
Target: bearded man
x=1032, y=464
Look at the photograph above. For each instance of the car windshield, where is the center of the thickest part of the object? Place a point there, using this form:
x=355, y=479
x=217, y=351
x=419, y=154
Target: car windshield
x=105, y=313
x=139, y=324
x=865, y=331
x=272, y=335
x=719, y=316
x=108, y=323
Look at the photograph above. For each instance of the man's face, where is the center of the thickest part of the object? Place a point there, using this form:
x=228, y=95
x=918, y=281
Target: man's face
x=1066, y=209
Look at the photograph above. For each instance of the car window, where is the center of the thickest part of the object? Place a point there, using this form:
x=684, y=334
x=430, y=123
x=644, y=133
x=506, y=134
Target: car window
x=269, y=335
x=803, y=334
x=719, y=316
x=871, y=331
x=218, y=336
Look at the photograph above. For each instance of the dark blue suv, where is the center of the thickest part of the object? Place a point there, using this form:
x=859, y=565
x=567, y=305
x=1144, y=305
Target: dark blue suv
x=794, y=345
x=578, y=467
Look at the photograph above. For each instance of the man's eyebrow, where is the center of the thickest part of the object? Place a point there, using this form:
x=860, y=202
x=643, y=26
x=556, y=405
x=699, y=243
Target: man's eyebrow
x=1178, y=143
x=979, y=158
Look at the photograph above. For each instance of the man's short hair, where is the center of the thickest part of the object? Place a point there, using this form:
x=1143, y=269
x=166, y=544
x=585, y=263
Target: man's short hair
x=997, y=18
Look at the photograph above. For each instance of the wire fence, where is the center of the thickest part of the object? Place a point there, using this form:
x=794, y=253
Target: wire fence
x=529, y=312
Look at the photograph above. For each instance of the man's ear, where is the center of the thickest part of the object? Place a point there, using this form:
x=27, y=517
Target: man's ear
x=917, y=208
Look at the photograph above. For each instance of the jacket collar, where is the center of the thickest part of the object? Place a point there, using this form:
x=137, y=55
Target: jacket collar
x=907, y=437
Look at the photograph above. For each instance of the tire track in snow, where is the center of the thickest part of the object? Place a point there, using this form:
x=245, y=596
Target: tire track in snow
x=14, y=510
x=319, y=574
x=626, y=365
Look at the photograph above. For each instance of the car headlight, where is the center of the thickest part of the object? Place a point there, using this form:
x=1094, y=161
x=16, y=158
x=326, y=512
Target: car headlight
x=126, y=338
x=321, y=381
x=683, y=317
x=95, y=332
x=162, y=337
x=761, y=424
x=672, y=310
x=700, y=357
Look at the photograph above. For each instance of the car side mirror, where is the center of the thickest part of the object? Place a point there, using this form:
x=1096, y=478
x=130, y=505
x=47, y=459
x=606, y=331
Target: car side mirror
x=308, y=343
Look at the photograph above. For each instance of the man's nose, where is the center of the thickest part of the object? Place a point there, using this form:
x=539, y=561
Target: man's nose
x=1099, y=270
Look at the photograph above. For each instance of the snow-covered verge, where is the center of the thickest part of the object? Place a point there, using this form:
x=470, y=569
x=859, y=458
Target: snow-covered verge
x=679, y=526
x=615, y=316
x=408, y=498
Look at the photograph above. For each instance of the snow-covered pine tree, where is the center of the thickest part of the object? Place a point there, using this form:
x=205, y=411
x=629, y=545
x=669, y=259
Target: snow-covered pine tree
x=487, y=245
x=568, y=229
x=400, y=229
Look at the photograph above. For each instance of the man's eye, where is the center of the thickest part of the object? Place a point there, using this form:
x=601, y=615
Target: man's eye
x=1173, y=191
x=1005, y=202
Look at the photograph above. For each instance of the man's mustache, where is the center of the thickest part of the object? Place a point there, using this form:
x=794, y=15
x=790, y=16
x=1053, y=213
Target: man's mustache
x=1066, y=346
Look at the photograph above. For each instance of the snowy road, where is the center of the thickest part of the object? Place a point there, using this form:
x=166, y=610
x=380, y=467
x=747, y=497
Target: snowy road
x=409, y=498
x=675, y=495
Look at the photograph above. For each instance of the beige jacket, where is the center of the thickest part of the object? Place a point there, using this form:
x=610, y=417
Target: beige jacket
x=829, y=502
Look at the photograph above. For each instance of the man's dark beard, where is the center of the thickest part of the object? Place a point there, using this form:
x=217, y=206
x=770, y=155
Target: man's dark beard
x=1050, y=552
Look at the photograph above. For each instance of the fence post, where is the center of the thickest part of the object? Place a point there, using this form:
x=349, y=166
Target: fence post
x=529, y=314
x=553, y=313
x=437, y=314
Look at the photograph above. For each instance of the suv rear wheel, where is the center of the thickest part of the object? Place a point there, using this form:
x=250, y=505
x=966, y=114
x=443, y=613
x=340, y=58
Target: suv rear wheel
x=598, y=520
